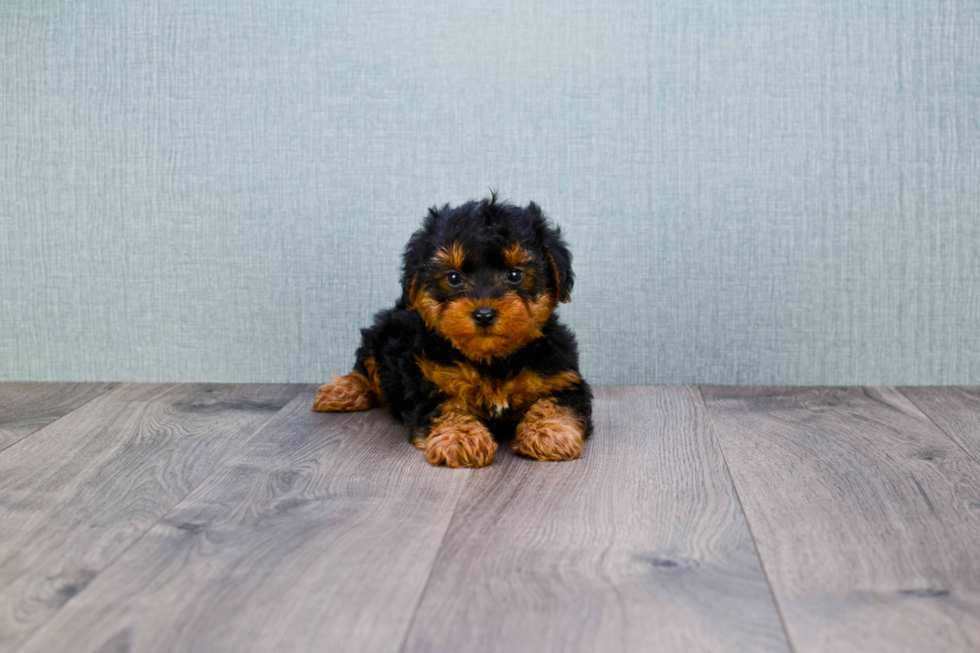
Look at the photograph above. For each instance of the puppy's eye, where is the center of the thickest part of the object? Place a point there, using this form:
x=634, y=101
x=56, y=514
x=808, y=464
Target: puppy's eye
x=515, y=275
x=454, y=279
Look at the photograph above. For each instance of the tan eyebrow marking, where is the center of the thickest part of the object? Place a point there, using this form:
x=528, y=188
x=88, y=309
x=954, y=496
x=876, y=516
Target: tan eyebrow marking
x=453, y=256
x=515, y=255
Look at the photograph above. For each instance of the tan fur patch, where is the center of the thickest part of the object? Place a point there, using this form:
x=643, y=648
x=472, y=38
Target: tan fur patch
x=515, y=255
x=549, y=432
x=491, y=398
x=519, y=321
x=457, y=439
x=345, y=393
x=413, y=293
x=453, y=256
x=426, y=305
x=374, y=377
x=563, y=298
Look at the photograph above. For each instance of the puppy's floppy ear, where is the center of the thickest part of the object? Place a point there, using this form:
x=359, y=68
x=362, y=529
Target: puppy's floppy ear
x=414, y=257
x=555, y=252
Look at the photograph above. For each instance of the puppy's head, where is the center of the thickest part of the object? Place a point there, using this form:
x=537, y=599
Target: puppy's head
x=486, y=275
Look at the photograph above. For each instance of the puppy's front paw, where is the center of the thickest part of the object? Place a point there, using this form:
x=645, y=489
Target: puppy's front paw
x=345, y=393
x=459, y=440
x=549, y=432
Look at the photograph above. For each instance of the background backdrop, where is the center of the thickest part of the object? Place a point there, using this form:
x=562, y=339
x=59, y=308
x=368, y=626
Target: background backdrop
x=754, y=191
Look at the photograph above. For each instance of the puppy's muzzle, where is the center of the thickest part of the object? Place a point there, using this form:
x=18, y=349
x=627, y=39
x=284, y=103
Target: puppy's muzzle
x=484, y=317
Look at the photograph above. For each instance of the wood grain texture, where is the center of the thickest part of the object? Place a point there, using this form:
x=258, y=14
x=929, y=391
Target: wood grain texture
x=639, y=545
x=318, y=536
x=28, y=407
x=955, y=410
x=866, y=516
x=77, y=493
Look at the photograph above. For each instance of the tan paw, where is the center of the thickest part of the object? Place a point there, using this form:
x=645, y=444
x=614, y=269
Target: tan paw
x=549, y=432
x=345, y=393
x=459, y=440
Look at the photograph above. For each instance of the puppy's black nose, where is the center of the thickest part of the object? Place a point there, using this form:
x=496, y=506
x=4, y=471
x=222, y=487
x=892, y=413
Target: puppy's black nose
x=484, y=317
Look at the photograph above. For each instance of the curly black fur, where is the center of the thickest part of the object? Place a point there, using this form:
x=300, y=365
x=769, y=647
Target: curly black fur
x=399, y=335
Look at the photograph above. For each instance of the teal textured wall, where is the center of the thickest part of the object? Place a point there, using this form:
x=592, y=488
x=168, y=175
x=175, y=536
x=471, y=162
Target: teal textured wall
x=755, y=192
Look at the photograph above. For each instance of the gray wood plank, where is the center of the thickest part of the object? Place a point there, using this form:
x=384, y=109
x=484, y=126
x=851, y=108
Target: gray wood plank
x=317, y=536
x=77, y=493
x=28, y=407
x=955, y=410
x=866, y=516
x=639, y=545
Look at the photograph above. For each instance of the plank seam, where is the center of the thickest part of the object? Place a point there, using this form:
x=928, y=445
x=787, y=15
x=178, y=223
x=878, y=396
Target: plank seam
x=111, y=388
x=27, y=640
x=432, y=567
x=748, y=525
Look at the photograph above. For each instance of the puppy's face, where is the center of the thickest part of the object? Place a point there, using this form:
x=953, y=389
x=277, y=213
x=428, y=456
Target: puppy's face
x=486, y=276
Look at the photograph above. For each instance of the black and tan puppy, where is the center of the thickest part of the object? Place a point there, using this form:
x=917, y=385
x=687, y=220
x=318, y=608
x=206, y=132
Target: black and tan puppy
x=472, y=349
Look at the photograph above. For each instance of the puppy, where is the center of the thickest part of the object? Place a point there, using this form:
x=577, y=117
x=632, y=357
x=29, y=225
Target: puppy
x=472, y=351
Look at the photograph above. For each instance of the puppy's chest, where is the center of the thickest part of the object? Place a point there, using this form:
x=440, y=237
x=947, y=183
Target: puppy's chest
x=493, y=397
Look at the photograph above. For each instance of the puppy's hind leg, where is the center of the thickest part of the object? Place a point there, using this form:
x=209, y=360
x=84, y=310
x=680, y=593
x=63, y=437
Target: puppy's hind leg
x=355, y=391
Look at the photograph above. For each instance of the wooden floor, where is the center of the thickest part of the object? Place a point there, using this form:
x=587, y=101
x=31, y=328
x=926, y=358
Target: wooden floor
x=231, y=518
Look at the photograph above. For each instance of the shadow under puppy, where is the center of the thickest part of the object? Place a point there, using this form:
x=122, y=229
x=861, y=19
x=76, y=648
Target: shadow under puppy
x=472, y=349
